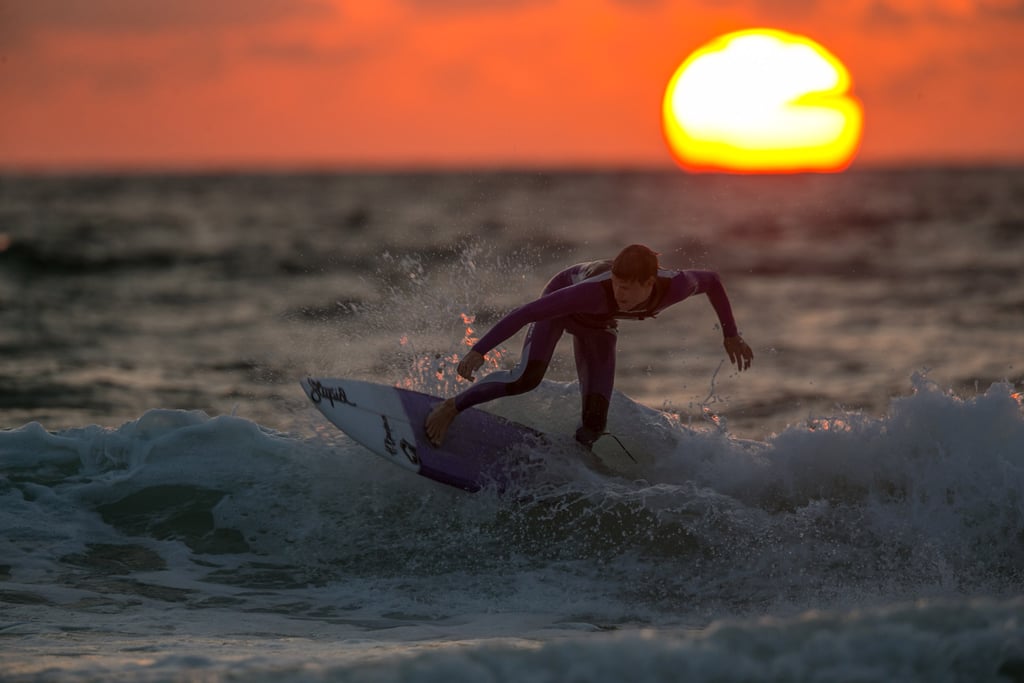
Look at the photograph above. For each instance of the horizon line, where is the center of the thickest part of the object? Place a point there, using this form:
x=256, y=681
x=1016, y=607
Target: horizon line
x=416, y=168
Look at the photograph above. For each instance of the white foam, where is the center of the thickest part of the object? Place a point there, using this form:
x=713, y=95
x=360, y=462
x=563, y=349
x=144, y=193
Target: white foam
x=852, y=509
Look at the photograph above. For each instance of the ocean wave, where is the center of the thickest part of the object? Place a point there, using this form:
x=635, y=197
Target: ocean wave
x=926, y=500
x=929, y=641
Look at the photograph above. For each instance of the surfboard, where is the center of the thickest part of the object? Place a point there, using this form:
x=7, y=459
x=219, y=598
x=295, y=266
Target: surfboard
x=480, y=450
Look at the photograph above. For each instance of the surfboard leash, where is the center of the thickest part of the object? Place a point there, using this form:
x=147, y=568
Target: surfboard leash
x=621, y=445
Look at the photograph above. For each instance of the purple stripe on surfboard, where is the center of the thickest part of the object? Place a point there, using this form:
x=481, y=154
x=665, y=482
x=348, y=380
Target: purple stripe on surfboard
x=476, y=450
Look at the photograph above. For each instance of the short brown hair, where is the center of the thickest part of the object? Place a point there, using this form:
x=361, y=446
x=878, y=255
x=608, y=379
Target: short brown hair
x=636, y=262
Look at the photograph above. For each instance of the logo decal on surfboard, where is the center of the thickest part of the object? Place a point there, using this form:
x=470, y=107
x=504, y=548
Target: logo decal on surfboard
x=318, y=392
x=408, y=449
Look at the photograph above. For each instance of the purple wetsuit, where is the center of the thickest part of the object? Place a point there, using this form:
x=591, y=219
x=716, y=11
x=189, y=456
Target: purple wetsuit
x=579, y=300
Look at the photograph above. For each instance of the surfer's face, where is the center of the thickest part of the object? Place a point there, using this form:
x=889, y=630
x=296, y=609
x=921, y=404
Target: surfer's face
x=631, y=293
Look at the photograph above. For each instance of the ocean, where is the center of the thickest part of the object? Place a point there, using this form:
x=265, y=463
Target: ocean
x=173, y=508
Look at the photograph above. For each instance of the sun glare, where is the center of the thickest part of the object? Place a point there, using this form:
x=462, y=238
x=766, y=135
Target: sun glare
x=762, y=101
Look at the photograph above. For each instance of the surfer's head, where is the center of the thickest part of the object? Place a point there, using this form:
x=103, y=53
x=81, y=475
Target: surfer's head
x=633, y=274
x=635, y=263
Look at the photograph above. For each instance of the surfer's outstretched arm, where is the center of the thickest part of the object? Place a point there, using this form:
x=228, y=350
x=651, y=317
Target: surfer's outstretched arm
x=709, y=283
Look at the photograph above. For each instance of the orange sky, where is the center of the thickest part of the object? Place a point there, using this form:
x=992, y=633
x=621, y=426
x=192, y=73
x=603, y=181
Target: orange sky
x=394, y=83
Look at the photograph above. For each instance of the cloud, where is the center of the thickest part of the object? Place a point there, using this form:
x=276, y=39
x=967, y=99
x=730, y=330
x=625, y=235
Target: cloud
x=457, y=6
x=24, y=18
x=125, y=44
x=903, y=12
x=128, y=46
x=302, y=52
x=874, y=12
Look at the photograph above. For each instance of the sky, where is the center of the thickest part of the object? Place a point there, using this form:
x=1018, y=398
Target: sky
x=148, y=84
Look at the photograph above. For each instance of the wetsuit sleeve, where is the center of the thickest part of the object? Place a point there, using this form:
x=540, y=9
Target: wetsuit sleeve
x=586, y=297
x=689, y=282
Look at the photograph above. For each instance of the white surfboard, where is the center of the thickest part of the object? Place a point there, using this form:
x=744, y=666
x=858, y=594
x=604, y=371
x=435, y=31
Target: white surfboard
x=480, y=450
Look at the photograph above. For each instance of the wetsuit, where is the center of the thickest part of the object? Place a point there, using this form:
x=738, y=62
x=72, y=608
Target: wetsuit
x=580, y=300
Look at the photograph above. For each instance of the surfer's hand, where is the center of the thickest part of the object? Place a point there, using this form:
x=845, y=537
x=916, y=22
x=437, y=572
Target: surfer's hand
x=739, y=352
x=469, y=364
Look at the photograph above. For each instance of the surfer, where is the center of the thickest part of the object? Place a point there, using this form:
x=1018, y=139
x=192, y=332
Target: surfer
x=586, y=300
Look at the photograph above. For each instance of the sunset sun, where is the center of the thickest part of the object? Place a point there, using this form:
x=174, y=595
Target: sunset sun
x=762, y=101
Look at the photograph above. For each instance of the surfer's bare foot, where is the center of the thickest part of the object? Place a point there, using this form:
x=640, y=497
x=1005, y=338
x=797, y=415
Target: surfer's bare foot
x=439, y=420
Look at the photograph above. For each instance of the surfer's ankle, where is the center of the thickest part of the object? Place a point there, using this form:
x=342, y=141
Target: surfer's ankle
x=439, y=419
x=445, y=410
